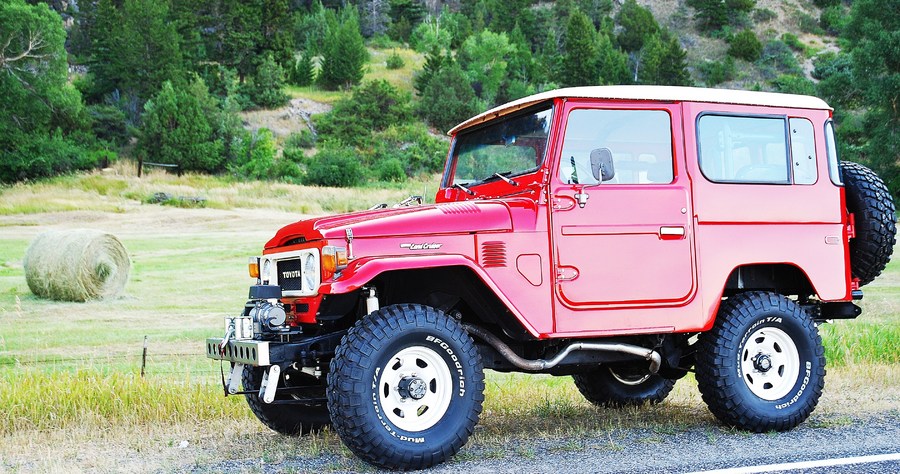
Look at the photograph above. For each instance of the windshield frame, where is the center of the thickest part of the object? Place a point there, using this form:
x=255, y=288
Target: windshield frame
x=448, y=179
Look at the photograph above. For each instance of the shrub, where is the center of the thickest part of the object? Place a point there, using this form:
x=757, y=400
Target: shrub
x=394, y=61
x=833, y=20
x=390, y=170
x=745, y=45
x=776, y=59
x=717, y=72
x=302, y=139
x=373, y=106
x=417, y=150
x=335, y=166
x=808, y=24
x=793, y=42
x=762, y=15
x=794, y=85
x=255, y=155
x=37, y=156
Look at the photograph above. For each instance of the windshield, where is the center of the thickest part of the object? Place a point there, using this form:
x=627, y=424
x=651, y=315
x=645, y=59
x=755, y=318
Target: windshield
x=510, y=147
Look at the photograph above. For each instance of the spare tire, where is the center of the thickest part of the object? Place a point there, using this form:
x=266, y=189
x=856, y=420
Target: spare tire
x=870, y=201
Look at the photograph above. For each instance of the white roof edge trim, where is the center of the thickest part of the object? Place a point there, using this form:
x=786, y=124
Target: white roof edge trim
x=653, y=93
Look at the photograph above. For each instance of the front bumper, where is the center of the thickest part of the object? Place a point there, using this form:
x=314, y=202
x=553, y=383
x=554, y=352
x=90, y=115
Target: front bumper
x=255, y=353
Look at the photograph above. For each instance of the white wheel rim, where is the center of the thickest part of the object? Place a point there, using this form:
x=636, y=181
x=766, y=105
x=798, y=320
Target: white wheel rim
x=770, y=363
x=400, y=385
x=631, y=380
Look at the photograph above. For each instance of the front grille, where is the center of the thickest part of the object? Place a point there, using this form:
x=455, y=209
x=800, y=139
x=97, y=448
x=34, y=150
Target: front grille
x=293, y=267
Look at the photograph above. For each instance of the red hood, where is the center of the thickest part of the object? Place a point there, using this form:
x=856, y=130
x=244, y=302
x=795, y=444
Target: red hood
x=448, y=218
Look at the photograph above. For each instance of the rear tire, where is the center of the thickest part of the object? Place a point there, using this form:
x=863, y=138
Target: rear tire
x=405, y=387
x=762, y=365
x=292, y=419
x=870, y=201
x=622, y=386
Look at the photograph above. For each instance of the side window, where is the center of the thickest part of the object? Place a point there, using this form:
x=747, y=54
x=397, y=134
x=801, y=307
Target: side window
x=803, y=151
x=640, y=142
x=831, y=149
x=743, y=149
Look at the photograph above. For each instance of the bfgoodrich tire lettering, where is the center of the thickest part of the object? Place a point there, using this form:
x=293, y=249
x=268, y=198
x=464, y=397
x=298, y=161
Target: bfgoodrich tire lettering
x=762, y=365
x=405, y=387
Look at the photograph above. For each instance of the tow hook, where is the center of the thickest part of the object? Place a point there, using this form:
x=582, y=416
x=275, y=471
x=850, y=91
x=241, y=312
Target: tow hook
x=269, y=384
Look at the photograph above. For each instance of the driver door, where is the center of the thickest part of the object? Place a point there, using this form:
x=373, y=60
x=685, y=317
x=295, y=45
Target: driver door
x=627, y=240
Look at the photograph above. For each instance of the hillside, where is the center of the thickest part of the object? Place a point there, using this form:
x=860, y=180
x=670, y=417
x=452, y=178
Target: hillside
x=225, y=86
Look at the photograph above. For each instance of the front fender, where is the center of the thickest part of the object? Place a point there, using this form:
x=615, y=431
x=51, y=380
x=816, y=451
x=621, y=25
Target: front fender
x=363, y=270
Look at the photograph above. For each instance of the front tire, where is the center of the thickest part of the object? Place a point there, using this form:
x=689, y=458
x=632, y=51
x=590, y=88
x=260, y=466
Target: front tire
x=762, y=365
x=621, y=386
x=405, y=387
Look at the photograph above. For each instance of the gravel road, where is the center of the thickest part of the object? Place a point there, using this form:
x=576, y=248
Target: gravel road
x=643, y=450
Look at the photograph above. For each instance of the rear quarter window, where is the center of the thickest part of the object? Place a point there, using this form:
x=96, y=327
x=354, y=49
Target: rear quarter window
x=736, y=149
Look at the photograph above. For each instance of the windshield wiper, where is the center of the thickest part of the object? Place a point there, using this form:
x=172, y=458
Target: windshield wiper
x=465, y=189
x=504, y=178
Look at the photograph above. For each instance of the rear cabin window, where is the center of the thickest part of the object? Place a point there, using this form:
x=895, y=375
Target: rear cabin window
x=743, y=149
x=803, y=151
x=640, y=142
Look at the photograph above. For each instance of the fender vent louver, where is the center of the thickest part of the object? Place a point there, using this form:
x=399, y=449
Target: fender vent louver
x=493, y=254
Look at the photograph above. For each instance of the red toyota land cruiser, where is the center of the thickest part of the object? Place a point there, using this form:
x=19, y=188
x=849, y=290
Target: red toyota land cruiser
x=623, y=235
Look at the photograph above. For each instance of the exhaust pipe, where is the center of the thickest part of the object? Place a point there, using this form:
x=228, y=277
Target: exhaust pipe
x=542, y=364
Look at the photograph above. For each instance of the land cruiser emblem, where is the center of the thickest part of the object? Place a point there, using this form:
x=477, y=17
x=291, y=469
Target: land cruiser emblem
x=432, y=246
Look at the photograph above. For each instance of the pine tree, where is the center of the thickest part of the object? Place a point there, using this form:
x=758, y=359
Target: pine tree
x=637, y=24
x=303, y=73
x=711, y=15
x=177, y=130
x=344, y=55
x=448, y=98
x=267, y=89
x=611, y=62
x=374, y=17
x=663, y=62
x=579, y=63
x=434, y=61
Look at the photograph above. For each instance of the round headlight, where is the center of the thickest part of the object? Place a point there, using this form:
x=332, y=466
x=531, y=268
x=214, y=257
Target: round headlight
x=265, y=272
x=309, y=271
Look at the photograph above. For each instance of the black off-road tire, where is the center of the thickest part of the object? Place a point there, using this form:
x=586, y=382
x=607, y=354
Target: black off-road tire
x=727, y=357
x=872, y=205
x=287, y=419
x=412, y=346
x=616, y=387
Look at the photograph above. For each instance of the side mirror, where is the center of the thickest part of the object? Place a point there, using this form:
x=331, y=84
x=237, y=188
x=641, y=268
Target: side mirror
x=602, y=164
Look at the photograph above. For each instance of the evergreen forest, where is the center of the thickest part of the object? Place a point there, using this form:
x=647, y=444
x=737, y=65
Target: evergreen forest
x=176, y=82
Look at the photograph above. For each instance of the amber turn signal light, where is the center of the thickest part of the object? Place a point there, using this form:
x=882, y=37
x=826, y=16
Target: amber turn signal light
x=334, y=259
x=254, y=267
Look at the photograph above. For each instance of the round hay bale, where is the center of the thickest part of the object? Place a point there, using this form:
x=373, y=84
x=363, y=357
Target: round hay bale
x=76, y=265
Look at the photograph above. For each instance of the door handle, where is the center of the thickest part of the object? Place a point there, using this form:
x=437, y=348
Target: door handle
x=671, y=232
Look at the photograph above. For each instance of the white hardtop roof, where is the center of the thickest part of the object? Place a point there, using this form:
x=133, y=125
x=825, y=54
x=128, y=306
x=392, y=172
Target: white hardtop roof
x=653, y=93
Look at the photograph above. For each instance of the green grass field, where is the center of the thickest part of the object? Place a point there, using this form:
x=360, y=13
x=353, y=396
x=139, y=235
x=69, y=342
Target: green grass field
x=70, y=371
